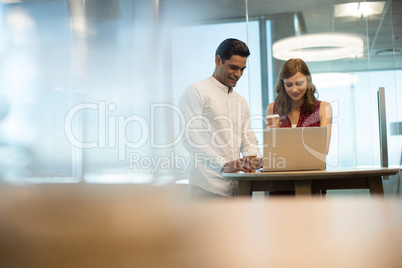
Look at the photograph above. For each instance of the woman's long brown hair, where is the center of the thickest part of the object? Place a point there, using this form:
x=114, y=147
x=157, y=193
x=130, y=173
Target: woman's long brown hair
x=283, y=101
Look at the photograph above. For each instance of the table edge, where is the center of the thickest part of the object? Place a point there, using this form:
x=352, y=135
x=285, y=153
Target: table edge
x=371, y=172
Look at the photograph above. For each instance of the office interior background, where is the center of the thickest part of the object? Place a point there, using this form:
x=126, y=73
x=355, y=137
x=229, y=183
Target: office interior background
x=89, y=89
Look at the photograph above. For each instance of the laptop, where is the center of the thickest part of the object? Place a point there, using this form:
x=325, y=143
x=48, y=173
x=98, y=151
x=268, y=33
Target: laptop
x=287, y=149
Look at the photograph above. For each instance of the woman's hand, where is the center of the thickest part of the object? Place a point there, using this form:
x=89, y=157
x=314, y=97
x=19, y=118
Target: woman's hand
x=272, y=121
x=269, y=125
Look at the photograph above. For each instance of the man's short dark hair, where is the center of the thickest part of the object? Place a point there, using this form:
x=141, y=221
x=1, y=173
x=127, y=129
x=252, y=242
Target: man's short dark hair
x=230, y=47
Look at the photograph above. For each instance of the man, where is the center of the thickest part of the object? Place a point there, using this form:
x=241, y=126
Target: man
x=218, y=125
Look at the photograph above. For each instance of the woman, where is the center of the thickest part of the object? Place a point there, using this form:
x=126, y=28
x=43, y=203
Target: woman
x=296, y=103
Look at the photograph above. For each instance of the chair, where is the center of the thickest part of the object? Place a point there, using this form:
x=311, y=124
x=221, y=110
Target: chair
x=396, y=130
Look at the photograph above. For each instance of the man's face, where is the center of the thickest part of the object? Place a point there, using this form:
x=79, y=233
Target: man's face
x=229, y=73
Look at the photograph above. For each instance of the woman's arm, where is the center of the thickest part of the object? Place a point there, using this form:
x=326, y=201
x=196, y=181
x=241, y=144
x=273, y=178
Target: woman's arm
x=270, y=111
x=270, y=108
x=326, y=119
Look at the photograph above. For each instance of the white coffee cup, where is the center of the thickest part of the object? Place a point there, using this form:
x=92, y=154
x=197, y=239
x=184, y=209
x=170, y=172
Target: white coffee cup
x=273, y=120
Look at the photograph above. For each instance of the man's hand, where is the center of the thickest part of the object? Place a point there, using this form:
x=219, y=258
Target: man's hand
x=254, y=161
x=241, y=164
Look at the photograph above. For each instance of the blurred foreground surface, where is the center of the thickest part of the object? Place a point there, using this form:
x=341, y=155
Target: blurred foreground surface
x=83, y=225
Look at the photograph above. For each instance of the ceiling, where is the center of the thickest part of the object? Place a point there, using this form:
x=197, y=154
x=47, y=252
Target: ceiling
x=382, y=33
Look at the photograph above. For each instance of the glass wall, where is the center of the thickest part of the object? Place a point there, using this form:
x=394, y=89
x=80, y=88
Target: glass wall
x=89, y=91
x=350, y=84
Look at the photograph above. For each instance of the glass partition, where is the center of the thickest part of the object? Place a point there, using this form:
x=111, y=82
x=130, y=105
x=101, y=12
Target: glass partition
x=349, y=83
x=89, y=91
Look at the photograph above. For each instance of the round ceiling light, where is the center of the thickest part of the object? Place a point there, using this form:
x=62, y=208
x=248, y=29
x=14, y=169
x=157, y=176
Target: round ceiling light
x=334, y=80
x=319, y=47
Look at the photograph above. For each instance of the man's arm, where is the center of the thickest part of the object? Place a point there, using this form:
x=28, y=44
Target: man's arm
x=249, y=142
x=237, y=165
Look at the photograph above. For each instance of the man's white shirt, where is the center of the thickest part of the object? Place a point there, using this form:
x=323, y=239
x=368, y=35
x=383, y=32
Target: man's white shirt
x=217, y=129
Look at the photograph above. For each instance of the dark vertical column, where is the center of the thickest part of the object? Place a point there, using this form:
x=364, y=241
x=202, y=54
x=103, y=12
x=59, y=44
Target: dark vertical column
x=264, y=63
x=382, y=122
x=281, y=27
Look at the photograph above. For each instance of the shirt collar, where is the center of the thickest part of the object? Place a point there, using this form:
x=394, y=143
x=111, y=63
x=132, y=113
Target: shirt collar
x=225, y=88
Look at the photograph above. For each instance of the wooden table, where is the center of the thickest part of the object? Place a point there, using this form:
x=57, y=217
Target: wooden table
x=103, y=226
x=308, y=182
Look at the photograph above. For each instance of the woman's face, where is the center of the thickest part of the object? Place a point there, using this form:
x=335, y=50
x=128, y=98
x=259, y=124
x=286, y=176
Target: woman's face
x=296, y=86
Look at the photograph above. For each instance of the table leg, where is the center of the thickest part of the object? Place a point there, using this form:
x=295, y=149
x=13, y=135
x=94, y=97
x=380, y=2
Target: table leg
x=244, y=188
x=303, y=187
x=375, y=185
